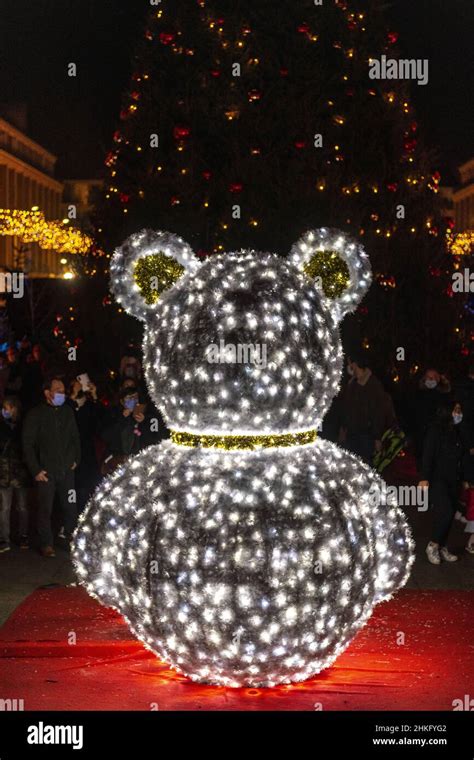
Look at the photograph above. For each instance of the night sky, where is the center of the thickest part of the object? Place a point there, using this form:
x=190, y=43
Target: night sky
x=75, y=118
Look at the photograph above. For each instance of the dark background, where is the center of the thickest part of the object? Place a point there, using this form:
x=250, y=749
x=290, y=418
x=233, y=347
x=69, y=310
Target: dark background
x=75, y=118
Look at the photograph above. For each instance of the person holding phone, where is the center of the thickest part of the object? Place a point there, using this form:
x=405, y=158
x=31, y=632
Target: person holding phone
x=88, y=412
x=127, y=430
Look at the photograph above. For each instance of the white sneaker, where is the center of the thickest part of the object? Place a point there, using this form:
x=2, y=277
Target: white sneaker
x=447, y=556
x=470, y=548
x=459, y=516
x=61, y=533
x=432, y=552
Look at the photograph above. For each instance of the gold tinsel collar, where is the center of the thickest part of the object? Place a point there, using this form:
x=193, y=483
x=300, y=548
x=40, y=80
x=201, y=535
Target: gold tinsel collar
x=243, y=442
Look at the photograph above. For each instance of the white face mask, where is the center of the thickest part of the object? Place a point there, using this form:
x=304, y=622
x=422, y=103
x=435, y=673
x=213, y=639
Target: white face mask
x=431, y=384
x=457, y=418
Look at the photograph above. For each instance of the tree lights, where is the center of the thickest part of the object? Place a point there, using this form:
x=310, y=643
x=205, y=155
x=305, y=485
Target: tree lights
x=245, y=550
x=275, y=120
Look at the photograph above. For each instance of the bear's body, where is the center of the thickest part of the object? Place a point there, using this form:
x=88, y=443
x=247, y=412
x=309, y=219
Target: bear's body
x=248, y=552
x=242, y=565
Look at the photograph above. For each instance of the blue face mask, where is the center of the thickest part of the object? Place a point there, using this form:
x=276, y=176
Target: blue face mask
x=58, y=399
x=457, y=418
x=130, y=403
x=6, y=414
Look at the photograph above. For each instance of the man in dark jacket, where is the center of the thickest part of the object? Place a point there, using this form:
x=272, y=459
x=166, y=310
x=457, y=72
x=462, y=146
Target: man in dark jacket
x=364, y=411
x=52, y=451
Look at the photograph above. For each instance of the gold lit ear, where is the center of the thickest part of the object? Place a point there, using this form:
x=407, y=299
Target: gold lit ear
x=331, y=271
x=156, y=273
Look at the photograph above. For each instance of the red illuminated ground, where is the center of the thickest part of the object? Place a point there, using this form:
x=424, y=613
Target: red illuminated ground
x=108, y=670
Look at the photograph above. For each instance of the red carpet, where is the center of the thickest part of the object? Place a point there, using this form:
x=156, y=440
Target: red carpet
x=108, y=670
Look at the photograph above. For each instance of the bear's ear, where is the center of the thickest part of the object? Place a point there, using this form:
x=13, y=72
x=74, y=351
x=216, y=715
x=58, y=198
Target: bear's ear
x=147, y=264
x=338, y=266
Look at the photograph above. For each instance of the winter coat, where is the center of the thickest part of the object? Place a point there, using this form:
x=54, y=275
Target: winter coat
x=365, y=408
x=13, y=471
x=125, y=436
x=51, y=440
x=88, y=419
x=444, y=451
x=427, y=402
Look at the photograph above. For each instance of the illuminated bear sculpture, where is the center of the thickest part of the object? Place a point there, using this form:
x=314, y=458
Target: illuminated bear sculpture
x=245, y=550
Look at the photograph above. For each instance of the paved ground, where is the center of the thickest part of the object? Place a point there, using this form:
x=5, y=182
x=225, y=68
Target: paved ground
x=22, y=571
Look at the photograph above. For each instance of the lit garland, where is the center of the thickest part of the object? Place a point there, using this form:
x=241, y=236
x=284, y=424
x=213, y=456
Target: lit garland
x=32, y=227
x=461, y=244
x=242, y=567
x=243, y=442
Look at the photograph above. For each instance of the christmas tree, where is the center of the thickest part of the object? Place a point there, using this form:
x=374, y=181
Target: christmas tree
x=247, y=123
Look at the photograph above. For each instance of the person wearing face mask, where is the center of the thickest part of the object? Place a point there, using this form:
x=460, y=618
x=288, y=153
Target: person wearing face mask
x=446, y=445
x=52, y=451
x=127, y=430
x=14, y=476
x=130, y=365
x=432, y=392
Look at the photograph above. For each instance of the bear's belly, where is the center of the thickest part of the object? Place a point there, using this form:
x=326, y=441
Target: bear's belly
x=252, y=568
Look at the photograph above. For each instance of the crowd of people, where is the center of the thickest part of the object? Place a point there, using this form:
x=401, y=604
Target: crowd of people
x=439, y=418
x=59, y=437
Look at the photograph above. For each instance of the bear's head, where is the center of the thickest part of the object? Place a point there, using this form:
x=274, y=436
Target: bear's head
x=243, y=343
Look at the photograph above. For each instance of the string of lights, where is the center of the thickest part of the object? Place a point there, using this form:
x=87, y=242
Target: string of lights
x=32, y=227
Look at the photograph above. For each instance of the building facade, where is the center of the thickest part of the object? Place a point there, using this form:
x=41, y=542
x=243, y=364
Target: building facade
x=27, y=180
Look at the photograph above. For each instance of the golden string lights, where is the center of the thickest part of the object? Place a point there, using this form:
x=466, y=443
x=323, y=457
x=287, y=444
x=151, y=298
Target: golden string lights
x=462, y=243
x=33, y=227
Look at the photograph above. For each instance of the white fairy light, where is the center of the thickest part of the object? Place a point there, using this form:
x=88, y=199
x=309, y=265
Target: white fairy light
x=242, y=567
